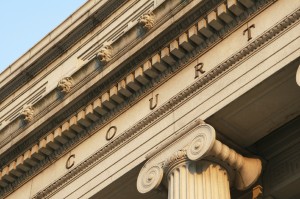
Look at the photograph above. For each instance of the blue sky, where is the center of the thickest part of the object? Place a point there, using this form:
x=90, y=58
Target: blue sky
x=25, y=22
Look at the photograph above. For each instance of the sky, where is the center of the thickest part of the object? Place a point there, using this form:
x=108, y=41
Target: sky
x=25, y=22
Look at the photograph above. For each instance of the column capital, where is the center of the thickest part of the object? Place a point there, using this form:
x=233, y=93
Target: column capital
x=194, y=143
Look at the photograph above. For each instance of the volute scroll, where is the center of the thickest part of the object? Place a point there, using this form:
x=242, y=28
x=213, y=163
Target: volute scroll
x=150, y=179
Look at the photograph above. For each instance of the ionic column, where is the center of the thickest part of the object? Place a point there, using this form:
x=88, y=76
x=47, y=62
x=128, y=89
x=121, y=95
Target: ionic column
x=197, y=166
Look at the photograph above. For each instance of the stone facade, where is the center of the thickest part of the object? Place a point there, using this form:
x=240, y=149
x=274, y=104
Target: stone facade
x=157, y=99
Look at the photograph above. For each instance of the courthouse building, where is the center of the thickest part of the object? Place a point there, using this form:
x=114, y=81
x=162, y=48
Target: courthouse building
x=157, y=99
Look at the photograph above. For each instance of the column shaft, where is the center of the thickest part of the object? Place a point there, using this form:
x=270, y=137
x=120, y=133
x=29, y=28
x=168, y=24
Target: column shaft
x=198, y=180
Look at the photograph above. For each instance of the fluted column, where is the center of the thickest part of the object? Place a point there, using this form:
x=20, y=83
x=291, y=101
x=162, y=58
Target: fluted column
x=194, y=165
x=198, y=180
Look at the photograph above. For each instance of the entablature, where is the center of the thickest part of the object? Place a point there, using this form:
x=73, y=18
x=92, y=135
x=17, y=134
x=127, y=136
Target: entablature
x=76, y=59
x=150, y=64
x=91, y=69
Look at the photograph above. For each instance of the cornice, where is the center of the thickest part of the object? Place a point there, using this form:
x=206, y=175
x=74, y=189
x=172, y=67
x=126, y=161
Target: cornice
x=154, y=117
x=56, y=50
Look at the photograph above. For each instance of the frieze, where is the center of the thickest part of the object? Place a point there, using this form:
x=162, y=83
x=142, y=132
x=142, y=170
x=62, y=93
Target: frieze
x=200, y=83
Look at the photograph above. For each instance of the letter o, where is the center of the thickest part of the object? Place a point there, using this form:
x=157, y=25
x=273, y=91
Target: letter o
x=68, y=165
x=111, y=132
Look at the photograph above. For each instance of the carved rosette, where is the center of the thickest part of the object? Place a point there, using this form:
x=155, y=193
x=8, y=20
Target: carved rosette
x=147, y=20
x=193, y=147
x=27, y=113
x=105, y=53
x=65, y=84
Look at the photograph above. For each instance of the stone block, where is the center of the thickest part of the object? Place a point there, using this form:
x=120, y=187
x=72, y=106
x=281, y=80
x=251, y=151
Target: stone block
x=90, y=114
x=166, y=56
x=36, y=153
x=235, y=7
x=59, y=137
x=67, y=131
x=50, y=142
x=176, y=50
x=30, y=162
x=194, y=36
x=149, y=70
x=214, y=21
x=224, y=14
x=115, y=96
x=43, y=147
x=247, y=3
x=97, y=106
x=157, y=63
x=105, y=100
x=5, y=175
x=123, y=89
x=185, y=43
x=82, y=119
x=204, y=29
x=14, y=170
x=21, y=165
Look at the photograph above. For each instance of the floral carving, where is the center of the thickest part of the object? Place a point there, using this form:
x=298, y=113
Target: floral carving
x=27, y=113
x=105, y=54
x=65, y=84
x=175, y=157
x=147, y=20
